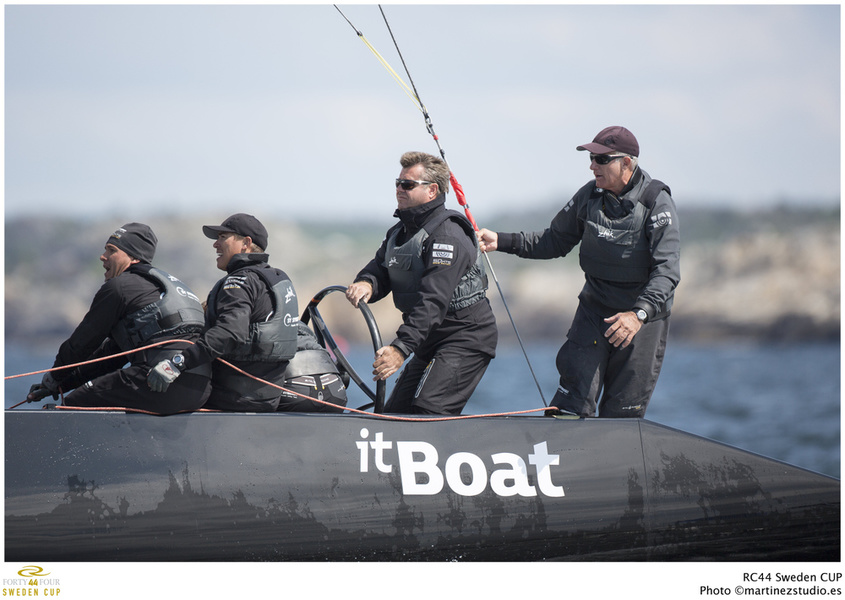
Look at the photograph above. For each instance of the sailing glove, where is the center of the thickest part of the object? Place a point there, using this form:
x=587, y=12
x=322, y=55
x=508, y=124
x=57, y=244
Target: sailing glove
x=48, y=387
x=163, y=374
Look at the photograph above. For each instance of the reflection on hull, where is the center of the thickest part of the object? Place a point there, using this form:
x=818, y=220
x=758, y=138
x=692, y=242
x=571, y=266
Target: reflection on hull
x=111, y=486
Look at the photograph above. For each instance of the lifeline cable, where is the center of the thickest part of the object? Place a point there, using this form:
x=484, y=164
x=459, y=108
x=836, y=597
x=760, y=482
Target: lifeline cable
x=459, y=190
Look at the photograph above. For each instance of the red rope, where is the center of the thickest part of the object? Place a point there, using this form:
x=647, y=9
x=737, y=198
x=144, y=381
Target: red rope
x=352, y=410
x=96, y=360
x=459, y=194
x=324, y=402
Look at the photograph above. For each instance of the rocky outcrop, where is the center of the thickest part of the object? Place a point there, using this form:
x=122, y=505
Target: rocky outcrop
x=769, y=285
x=776, y=282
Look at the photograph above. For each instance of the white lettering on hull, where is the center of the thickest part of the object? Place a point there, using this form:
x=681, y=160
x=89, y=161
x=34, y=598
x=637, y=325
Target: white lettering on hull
x=464, y=473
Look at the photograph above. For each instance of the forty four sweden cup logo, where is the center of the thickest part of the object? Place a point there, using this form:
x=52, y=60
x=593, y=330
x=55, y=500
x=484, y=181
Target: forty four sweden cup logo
x=34, y=581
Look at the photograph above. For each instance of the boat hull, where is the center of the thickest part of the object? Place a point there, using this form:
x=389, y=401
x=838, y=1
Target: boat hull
x=106, y=486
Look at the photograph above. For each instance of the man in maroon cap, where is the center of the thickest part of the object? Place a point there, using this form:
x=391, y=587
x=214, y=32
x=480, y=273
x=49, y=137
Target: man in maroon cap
x=627, y=228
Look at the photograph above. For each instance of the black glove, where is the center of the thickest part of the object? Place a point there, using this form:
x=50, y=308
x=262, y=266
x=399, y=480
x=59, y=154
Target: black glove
x=47, y=387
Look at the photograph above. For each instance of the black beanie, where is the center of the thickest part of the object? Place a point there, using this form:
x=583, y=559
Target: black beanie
x=137, y=240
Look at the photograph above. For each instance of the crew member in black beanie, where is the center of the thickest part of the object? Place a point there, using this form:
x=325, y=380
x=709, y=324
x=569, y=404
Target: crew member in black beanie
x=137, y=240
x=138, y=305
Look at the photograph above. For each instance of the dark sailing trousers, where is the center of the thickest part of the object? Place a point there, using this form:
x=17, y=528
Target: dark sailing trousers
x=440, y=386
x=589, y=365
x=127, y=388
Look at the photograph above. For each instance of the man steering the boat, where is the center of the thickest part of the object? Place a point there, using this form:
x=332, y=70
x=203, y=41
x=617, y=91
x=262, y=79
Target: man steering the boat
x=251, y=323
x=431, y=263
x=137, y=306
x=627, y=226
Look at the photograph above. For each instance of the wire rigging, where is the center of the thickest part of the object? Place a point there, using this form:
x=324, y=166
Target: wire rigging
x=412, y=94
x=459, y=191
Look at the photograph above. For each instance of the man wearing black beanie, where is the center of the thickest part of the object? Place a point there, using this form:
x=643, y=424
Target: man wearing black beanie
x=138, y=305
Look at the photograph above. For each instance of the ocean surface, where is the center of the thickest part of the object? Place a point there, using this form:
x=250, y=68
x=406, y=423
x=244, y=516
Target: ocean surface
x=778, y=401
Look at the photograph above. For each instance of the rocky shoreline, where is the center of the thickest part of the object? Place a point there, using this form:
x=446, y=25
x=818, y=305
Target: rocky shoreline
x=776, y=282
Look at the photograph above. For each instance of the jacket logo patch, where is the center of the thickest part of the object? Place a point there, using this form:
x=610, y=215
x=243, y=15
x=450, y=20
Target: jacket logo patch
x=441, y=261
x=661, y=220
x=448, y=247
x=605, y=233
x=392, y=262
x=441, y=254
x=233, y=282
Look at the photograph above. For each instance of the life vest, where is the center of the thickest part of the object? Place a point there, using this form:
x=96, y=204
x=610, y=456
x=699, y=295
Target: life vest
x=618, y=249
x=176, y=313
x=273, y=339
x=405, y=266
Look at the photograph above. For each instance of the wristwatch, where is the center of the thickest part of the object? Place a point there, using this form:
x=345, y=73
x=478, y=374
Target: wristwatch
x=178, y=362
x=642, y=315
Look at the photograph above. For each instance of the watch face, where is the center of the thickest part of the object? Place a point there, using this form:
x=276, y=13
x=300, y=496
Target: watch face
x=642, y=315
x=178, y=360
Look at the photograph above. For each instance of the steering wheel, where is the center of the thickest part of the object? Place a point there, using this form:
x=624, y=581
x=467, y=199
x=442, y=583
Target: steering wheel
x=324, y=336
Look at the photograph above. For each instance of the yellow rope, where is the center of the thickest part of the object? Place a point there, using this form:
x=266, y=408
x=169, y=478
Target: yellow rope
x=394, y=74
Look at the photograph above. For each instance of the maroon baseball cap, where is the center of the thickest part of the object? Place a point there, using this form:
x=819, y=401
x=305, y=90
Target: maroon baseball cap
x=613, y=139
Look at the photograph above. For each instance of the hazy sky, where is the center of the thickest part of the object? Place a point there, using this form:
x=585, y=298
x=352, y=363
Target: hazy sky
x=282, y=110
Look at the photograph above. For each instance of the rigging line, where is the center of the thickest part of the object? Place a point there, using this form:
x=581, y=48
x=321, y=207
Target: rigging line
x=164, y=342
x=459, y=193
x=410, y=93
x=383, y=416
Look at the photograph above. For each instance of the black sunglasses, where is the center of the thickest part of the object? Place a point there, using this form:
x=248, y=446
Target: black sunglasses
x=409, y=184
x=603, y=159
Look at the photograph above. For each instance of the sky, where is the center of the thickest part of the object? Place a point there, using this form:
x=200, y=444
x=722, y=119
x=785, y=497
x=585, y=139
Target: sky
x=283, y=111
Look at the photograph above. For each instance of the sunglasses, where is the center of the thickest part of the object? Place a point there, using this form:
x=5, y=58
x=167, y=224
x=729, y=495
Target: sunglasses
x=603, y=159
x=409, y=184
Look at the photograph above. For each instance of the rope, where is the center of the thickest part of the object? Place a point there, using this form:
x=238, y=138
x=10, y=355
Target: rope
x=102, y=358
x=459, y=190
x=96, y=360
x=258, y=379
x=352, y=410
x=411, y=94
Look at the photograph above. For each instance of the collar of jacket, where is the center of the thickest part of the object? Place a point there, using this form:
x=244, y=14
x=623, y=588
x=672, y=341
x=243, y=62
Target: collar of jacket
x=635, y=179
x=138, y=268
x=617, y=206
x=246, y=259
x=415, y=217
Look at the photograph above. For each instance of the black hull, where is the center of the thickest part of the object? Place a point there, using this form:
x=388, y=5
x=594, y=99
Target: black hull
x=99, y=486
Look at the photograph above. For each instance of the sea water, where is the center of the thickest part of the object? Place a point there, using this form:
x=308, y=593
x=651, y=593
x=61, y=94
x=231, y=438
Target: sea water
x=778, y=401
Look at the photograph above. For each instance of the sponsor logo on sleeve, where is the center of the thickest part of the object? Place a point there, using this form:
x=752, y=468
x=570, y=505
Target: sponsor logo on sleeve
x=661, y=220
x=233, y=282
x=442, y=254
